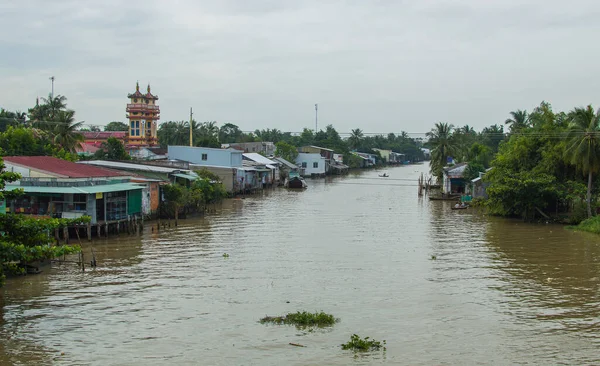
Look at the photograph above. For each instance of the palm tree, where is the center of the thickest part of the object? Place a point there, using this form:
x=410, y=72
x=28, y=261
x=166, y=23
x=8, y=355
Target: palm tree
x=518, y=121
x=443, y=145
x=355, y=138
x=55, y=104
x=583, y=145
x=65, y=132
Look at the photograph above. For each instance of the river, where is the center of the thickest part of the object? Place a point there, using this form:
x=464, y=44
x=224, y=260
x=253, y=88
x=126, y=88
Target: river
x=442, y=287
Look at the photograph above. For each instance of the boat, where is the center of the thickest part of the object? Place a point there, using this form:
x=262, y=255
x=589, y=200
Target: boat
x=444, y=198
x=459, y=207
x=295, y=181
x=384, y=175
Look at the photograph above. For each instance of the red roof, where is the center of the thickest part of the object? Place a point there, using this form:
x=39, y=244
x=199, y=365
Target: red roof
x=103, y=135
x=89, y=147
x=62, y=168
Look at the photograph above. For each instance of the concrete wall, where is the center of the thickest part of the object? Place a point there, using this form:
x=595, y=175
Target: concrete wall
x=207, y=156
x=309, y=159
x=227, y=175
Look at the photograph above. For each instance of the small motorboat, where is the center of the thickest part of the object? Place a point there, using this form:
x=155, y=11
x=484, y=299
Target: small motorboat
x=462, y=206
x=384, y=175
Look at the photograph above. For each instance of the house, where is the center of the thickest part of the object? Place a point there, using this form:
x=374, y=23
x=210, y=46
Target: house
x=205, y=156
x=148, y=153
x=324, y=152
x=312, y=163
x=385, y=154
x=285, y=168
x=371, y=160
x=478, y=186
x=268, y=163
x=255, y=175
x=364, y=161
x=453, y=181
x=426, y=153
x=397, y=158
x=88, y=149
x=96, y=138
x=151, y=176
x=62, y=189
x=265, y=148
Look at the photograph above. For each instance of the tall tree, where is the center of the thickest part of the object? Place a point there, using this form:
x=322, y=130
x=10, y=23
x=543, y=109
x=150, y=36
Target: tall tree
x=229, y=133
x=583, y=146
x=518, y=120
x=355, y=138
x=443, y=145
x=65, y=131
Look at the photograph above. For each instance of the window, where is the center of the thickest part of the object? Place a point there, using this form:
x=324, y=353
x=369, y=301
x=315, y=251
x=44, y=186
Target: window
x=135, y=128
x=204, y=156
x=135, y=100
x=304, y=164
x=316, y=164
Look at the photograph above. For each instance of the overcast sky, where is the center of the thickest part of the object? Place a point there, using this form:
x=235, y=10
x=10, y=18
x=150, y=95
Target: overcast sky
x=380, y=65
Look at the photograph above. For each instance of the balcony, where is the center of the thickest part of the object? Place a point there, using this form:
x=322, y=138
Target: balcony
x=142, y=107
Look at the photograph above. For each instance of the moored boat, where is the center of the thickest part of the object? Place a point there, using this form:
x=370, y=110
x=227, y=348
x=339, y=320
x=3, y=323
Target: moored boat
x=295, y=181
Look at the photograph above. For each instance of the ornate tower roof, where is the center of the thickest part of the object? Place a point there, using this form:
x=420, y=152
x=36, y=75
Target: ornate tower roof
x=137, y=93
x=149, y=95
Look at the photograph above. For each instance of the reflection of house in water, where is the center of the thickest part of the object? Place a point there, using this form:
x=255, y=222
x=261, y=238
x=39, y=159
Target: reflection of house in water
x=62, y=189
x=453, y=179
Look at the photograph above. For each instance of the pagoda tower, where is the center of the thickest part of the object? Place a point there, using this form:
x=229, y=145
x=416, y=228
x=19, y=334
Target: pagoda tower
x=143, y=114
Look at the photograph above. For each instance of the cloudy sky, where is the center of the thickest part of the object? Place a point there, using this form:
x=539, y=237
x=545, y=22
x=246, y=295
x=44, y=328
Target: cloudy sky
x=380, y=65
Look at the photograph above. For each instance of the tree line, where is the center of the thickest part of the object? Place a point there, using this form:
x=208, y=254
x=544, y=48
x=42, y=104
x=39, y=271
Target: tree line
x=545, y=163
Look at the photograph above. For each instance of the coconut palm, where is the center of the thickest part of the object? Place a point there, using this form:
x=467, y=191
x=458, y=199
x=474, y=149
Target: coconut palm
x=65, y=132
x=55, y=104
x=356, y=135
x=583, y=145
x=443, y=145
x=518, y=121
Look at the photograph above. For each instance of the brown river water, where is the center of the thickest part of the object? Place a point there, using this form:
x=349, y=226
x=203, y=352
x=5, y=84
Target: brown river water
x=359, y=247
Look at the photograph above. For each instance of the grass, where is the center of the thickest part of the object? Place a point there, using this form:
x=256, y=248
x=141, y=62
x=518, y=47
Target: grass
x=302, y=319
x=591, y=225
x=366, y=344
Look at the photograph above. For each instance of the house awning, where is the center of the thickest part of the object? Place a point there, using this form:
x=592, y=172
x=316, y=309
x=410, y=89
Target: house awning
x=105, y=188
x=262, y=170
x=185, y=176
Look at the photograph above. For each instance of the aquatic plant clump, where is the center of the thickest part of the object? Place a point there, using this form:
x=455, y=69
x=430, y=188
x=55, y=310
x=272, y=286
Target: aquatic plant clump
x=358, y=344
x=302, y=319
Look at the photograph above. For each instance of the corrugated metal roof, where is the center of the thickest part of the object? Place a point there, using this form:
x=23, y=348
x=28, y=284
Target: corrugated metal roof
x=186, y=176
x=62, y=168
x=286, y=163
x=259, y=158
x=131, y=166
x=105, y=188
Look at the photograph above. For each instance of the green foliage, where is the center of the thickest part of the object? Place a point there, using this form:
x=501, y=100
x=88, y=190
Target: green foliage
x=178, y=133
x=116, y=126
x=443, y=145
x=366, y=344
x=287, y=151
x=112, y=149
x=472, y=170
x=591, y=225
x=19, y=141
x=230, y=133
x=302, y=319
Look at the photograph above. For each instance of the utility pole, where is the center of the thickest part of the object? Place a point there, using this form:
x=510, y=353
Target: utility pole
x=191, y=138
x=316, y=117
x=52, y=94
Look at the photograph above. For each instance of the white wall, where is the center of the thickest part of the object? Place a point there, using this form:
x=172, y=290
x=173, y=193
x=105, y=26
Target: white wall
x=310, y=159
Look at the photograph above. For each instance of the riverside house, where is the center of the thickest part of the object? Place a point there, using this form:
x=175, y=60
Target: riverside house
x=327, y=155
x=453, y=181
x=313, y=164
x=62, y=189
x=263, y=147
x=272, y=165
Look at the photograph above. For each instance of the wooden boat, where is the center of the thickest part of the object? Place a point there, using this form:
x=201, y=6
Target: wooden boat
x=384, y=175
x=459, y=208
x=295, y=182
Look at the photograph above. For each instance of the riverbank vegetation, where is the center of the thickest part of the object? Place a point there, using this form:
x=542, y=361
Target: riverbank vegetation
x=27, y=239
x=302, y=319
x=591, y=225
x=544, y=166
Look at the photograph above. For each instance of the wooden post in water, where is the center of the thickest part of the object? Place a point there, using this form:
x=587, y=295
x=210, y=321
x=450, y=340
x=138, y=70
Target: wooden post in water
x=66, y=234
x=89, y=231
x=106, y=229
